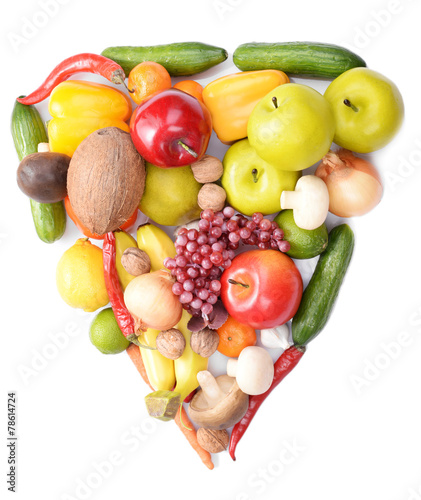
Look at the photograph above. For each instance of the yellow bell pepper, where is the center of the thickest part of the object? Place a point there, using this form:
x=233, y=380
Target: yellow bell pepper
x=231, y=99
x=160, y=370
x=79, y=108
x=189, y=364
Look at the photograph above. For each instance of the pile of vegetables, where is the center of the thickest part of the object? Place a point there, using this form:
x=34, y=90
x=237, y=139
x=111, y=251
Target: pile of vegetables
x=89, y=167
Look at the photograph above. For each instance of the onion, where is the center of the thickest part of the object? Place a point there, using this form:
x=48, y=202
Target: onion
x=353, y=183
x=151, y=302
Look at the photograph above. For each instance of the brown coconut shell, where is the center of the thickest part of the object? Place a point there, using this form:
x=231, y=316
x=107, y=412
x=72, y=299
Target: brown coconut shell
x=105, y=180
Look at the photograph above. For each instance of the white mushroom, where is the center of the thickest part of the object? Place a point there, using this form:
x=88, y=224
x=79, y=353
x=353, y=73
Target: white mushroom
x=219, y=403
x=309, y=201
x=253, y=370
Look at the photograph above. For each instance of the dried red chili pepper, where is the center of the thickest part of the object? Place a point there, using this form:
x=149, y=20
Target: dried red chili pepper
x=86, y=62
x=286, y=362
x=115, y=293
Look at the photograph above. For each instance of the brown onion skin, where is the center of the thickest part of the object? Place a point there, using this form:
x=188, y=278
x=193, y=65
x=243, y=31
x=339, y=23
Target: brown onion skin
x=354, y=184
x=162, y=297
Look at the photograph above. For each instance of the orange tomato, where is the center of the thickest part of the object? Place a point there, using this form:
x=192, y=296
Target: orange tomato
x=147, y=78
x=84, y=230
x=191, y=87
x=234, y=337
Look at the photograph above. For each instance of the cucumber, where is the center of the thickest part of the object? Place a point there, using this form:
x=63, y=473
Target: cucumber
x=310, y=59
x=49, y=220
x=320, y=295
x=28, y=131
x=179, y=59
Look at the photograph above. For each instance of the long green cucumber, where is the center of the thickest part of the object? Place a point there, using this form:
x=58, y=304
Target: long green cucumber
x=179, y=59
x=28, y=130
x=297, y=58
x=320, y=294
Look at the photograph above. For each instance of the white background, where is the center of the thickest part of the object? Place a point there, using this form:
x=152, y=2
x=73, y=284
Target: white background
x=77, y=410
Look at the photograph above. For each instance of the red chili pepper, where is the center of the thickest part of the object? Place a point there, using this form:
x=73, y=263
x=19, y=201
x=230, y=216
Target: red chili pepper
x=188, y=398
x=115, y=293
x=283, y=365
x=88, y=63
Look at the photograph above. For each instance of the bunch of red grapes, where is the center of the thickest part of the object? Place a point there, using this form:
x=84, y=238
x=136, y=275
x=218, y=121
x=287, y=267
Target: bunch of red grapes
x=203, y=254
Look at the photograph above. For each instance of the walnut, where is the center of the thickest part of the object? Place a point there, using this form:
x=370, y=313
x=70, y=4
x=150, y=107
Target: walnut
x=211, y=196
x=213, y=441
x=135, y=261
x=207, y=169
x=171, y=343
x=204, y=342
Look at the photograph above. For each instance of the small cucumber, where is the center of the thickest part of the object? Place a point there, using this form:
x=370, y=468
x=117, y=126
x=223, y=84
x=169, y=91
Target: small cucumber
x=310, y=59
x=49, y=220
x=179, y=59
x=28, y=131
x=320, y=295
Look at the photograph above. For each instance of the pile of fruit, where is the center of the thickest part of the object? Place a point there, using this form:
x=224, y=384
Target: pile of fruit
x=227, y=275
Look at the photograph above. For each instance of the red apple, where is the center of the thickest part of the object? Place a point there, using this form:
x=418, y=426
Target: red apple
x=171, y=129
x=261, y=288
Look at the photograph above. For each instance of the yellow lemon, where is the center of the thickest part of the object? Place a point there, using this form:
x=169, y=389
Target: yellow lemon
x=80, y=276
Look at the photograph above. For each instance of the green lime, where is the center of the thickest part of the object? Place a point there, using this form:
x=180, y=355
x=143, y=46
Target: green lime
x=105, y=333
x=305, y=243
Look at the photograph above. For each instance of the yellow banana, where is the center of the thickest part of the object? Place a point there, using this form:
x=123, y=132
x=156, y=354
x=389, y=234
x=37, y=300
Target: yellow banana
x=164, y=404
x=160, y=370
x=123, y=240
x=189, y=364
x=156, y=243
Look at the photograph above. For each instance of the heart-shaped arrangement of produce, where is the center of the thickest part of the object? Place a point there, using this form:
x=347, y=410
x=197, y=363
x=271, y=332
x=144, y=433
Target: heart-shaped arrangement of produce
x=215, y=263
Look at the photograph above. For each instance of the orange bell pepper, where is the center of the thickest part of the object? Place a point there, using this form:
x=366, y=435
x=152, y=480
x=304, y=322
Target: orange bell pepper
x=231, y=99
x=130, y=222
x=79, y=108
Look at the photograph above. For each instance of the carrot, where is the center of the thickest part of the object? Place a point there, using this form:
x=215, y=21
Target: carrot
x=136, y=356
x=186, y=426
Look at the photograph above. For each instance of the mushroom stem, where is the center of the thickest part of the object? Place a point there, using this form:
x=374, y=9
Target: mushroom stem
x=309, y=201
x=211, y=390
x=232, y=367
x=44, y=147
x=290, y=199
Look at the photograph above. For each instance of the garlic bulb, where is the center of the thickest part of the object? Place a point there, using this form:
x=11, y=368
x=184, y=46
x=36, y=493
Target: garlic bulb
x=275, y=338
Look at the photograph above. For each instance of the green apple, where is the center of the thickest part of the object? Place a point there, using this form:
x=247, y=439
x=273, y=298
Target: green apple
x=253, y=185
x=368, y=109
x=170, y=196
x=292, y=127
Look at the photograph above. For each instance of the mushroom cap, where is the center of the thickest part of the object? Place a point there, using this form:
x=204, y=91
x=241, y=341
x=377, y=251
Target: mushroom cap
x=255, y=370
x=309, y=201
x=226, y=413
x=43, y=176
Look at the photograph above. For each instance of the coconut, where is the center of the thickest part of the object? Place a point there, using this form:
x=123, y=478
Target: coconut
x=105, y=180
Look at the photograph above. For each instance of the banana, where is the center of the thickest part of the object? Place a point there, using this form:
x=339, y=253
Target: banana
x=123, y=241
x=164, y=404
x=156, y=243
x=160, y=370
x=189, y=364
